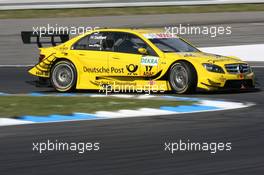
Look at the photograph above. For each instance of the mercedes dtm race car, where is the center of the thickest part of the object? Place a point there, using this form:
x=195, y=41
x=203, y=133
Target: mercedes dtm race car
x=136, y=58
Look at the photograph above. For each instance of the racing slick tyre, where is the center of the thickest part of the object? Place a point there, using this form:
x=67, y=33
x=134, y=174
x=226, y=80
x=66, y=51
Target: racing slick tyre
x=182, y=77
x=63, y=76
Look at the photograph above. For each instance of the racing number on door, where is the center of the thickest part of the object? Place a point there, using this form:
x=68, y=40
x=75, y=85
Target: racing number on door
x=149, y=65
x=149, y=68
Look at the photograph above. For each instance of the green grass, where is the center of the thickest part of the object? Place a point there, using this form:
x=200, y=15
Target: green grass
x=86, y=12
x=12, y=106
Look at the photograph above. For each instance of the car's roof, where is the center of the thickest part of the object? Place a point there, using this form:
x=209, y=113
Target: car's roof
x=135, y=30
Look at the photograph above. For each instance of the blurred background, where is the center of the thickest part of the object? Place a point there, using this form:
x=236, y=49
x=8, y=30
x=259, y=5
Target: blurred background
x=134, y=145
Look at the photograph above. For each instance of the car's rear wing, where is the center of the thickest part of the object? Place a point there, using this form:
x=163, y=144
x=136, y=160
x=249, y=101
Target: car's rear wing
x=44, y=38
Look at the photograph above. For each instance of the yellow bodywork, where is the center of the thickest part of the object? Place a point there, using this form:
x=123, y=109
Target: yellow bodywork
x=97, y=68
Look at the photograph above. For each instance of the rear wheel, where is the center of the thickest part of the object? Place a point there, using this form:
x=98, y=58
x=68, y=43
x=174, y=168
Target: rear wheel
x=63, y=76
x=182, y=77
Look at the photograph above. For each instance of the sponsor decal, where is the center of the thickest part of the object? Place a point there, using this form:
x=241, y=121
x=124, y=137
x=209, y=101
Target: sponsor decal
x=94, y=45
x=149, y=60
x=159, y=35
x=98, y=37
x=112, y=82
x=117, y=70
x=218, y=58
x=41, y=73
x=189, y=55
x=132, y=69
x=96, y=70
x=124, y=83
x=148, y=72
x=113, y=70
x=149, y=68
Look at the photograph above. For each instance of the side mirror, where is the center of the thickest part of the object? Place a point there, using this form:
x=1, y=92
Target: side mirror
x=142, y=51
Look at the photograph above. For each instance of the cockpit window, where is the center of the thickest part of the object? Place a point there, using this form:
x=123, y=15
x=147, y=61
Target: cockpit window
x=170, y=43
x=90, y=42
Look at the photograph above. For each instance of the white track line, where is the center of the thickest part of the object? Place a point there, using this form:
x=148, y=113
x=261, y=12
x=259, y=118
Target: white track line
x=127, y=113
x=225, y=105
x=134, y=113
x=10, y=121
x=108, y=114
x=122, y=96
x=146, y=96
x=155, y=112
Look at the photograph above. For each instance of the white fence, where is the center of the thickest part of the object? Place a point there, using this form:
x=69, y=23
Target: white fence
x=54, y=4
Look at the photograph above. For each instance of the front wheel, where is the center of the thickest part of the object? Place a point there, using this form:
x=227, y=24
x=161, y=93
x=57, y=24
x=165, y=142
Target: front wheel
x=182, y=77
x=63, y=76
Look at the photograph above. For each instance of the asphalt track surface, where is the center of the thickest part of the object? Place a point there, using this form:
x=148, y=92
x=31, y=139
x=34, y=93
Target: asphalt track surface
x=136, y=145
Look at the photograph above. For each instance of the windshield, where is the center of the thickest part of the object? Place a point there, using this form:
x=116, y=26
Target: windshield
x=172, y=44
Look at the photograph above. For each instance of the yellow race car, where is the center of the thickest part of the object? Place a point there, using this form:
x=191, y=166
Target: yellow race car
x=129, y=59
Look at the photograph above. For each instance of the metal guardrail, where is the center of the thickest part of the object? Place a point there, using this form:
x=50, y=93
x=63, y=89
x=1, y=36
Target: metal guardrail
x=49, y=4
